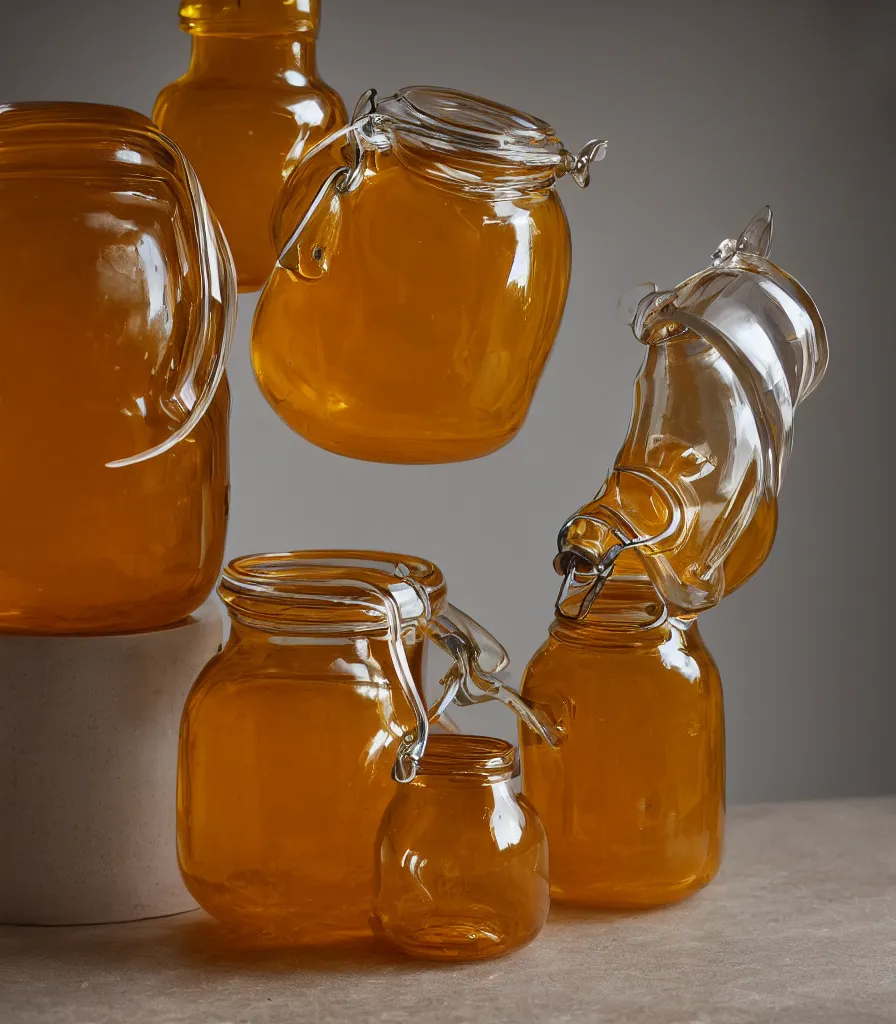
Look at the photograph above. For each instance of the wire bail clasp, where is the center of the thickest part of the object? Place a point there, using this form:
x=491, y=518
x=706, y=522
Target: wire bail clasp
x=578, y=165
x=363, y=133
x=474, y=677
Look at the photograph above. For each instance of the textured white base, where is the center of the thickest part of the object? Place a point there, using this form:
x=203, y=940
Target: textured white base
x=88, y=765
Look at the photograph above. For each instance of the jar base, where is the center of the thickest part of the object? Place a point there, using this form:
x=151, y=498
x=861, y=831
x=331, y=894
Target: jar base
x=400, y=451
x=266, y=919
x=453, y=939
x=631, y=897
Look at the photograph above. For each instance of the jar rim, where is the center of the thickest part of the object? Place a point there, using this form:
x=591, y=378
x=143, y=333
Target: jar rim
x=338, y=591
x=236, y=18
x=452, y=121
x=470, y=142
x=463, y=756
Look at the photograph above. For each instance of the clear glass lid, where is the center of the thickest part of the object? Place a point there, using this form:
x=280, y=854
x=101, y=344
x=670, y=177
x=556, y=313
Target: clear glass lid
x=468, y=140
x=452, y=121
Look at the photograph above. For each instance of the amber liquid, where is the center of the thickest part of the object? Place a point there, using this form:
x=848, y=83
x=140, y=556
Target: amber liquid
x=285, y=766
x=462, y=866
x=94, y=316
x=244, y=113
x=425, y=337
x=633, y=800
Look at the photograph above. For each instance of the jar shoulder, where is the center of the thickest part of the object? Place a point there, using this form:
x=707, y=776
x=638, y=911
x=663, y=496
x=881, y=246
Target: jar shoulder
x=680, y=655
x=313, y=104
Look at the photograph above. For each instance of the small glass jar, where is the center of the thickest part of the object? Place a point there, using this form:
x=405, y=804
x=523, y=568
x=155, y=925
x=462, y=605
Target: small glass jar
x=247, y=109
x=462, y=866
x=633, y=798
x=118, y=296
x=422, y=278
x=292, y=734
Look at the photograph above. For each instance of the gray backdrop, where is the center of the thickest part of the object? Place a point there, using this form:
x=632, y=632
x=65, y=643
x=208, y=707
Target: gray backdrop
x=712, y=109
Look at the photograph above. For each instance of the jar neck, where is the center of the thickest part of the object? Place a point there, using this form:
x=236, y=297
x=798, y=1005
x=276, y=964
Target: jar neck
x=291, y=57
x=626, y=613
x=255, y=635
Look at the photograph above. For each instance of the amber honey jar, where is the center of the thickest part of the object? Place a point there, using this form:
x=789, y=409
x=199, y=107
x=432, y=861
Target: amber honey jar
x=462, y=861
x=633, y=797
x=119, y=295
x=293, y=737
x=422, y=277
x=248, y=107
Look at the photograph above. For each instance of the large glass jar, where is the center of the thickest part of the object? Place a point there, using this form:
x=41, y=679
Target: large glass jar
x=293, y=733
x=462, y=861
x=633, y=797
x=118, y=295
x=249, y=106
x=422, y=278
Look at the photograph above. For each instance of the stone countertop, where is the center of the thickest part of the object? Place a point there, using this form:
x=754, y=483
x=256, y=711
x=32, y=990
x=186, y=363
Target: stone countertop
x=800, y=927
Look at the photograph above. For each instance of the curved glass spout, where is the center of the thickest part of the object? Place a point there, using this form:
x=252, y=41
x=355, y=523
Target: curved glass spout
x=693, y=494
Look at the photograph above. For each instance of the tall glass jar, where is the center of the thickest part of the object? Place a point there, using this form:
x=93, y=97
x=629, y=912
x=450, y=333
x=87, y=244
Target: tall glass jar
x=119, y=296
x=422, y=278
x=292, y=734
x=249, y=106
x=633, y=798
x=462, y=862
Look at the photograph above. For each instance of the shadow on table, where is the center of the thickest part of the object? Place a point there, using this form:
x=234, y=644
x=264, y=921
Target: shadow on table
x=195, y=942
x=203, y=942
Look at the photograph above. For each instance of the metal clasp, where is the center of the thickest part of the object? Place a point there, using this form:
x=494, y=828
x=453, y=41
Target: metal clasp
x=578, y=165
x=364, y=132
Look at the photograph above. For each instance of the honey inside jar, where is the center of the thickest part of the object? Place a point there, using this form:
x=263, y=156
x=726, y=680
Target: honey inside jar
x=289, y=738
x=111, y=330
x=462, y=864
x=248, y=107
x=633, y=799
x=410, y=318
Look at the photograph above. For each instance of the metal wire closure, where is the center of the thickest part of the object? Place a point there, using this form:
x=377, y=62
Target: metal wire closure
x=585, y=578
x=470, y=682
x=578, y=166
x=371, y=128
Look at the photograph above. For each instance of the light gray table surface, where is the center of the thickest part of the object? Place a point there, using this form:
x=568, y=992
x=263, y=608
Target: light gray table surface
x=800, y=927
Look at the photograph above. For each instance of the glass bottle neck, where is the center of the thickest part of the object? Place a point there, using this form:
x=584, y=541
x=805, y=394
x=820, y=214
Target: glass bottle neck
x=290, y=56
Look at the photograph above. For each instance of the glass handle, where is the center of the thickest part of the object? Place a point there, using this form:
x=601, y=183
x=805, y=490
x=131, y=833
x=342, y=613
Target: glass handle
x=215, y=323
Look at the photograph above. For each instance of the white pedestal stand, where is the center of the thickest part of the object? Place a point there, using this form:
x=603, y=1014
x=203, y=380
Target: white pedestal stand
x=88, y=766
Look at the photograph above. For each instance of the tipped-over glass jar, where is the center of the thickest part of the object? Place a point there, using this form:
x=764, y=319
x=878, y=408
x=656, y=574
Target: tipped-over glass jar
x=118, y=295
x=633, y=797
x=249, y=106
x=422, y=277
x=291, y=736
x=462, y=862
x=693, y=496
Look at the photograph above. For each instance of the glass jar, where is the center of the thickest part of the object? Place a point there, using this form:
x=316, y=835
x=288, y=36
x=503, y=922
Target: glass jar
x=119, y=297
x=418, y=293
x=633, y=798
x=462, y=866
x=693, y=497
x=292, y=734
x=249, y=106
